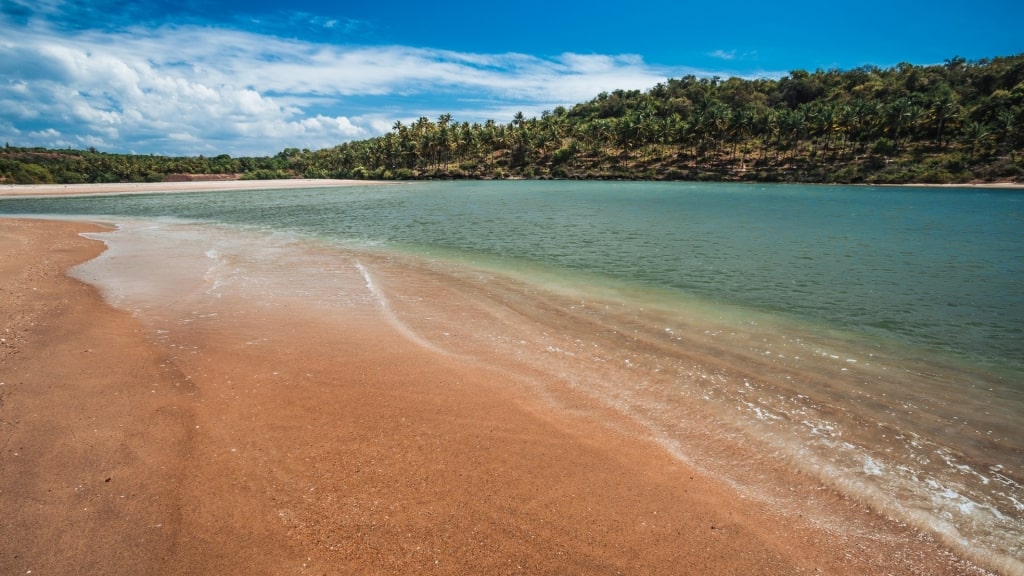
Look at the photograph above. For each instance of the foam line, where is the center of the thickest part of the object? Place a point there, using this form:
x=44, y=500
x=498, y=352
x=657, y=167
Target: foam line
x=390, y=316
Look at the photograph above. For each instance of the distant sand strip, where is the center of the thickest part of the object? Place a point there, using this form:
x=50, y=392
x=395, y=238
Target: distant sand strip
x=11, y=190
x=18, y=190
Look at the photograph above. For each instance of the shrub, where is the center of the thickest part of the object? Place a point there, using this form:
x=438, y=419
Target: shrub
x=32, y=174
x=884, y=146
x=936, y=177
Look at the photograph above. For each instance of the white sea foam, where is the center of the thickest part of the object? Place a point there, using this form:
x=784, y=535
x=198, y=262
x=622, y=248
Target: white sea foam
x=389, y=314
x=872, y=467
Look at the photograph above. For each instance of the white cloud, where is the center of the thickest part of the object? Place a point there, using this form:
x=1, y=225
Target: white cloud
x=191, y=90
x=87, y=141
x=723, y=54
x=48, y=133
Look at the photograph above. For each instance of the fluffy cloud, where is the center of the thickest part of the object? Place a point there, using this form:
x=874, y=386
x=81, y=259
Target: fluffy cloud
x=192, y=90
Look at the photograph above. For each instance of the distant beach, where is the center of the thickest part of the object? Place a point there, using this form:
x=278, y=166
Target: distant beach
x=13, y=190
x=8, y=190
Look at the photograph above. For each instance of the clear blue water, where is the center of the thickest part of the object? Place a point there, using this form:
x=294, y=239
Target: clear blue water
x=941, y=268
x=873, y=336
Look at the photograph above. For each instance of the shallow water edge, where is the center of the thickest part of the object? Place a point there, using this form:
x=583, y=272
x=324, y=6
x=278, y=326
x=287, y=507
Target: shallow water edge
x=730, y=391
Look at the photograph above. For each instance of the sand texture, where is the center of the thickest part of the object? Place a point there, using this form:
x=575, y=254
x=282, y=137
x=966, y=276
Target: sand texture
x=290, y=446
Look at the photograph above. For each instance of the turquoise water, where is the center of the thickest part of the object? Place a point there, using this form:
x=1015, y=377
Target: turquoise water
x=941, y=268
x=872, y=336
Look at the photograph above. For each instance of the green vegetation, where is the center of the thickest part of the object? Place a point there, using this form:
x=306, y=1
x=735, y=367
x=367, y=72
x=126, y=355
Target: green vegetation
x=956, y=122
x=41, y=166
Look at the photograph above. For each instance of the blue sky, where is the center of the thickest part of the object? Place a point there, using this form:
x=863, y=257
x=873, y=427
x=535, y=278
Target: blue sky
x=196, y=77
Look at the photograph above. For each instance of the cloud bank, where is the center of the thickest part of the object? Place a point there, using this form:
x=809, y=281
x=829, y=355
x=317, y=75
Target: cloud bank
x=193, y=89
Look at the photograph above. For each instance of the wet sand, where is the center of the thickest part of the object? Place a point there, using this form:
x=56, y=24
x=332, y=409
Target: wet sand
x=290, y=445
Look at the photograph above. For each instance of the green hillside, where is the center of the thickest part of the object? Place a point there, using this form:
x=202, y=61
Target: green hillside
x=955, y=122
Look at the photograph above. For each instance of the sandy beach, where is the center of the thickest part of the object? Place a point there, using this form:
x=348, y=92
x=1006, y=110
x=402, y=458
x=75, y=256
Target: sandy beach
x=348, y=451
x=14, y=190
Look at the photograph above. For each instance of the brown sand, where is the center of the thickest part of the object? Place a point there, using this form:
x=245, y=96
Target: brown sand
x=342, y=451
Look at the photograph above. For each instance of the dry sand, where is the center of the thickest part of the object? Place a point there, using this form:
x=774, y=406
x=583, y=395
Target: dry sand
x=345, y=451
x=12, y=190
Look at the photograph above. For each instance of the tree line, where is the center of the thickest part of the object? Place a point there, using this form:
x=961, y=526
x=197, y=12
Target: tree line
x=42, y=166
x=959, y=121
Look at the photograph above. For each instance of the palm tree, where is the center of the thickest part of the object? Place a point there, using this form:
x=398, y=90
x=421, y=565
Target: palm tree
x=825, y=122
x=793, y=127
x=896, y=117
x=943, y=108
x=975, y=135
x=1008, y=125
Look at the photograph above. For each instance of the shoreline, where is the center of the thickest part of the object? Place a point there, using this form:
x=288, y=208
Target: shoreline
x=260, y=450
x=25, y=190
x=30, y=190
x=982, y=185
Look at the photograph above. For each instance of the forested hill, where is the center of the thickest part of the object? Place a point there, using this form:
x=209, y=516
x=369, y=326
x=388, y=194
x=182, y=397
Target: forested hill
x=955, y=122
